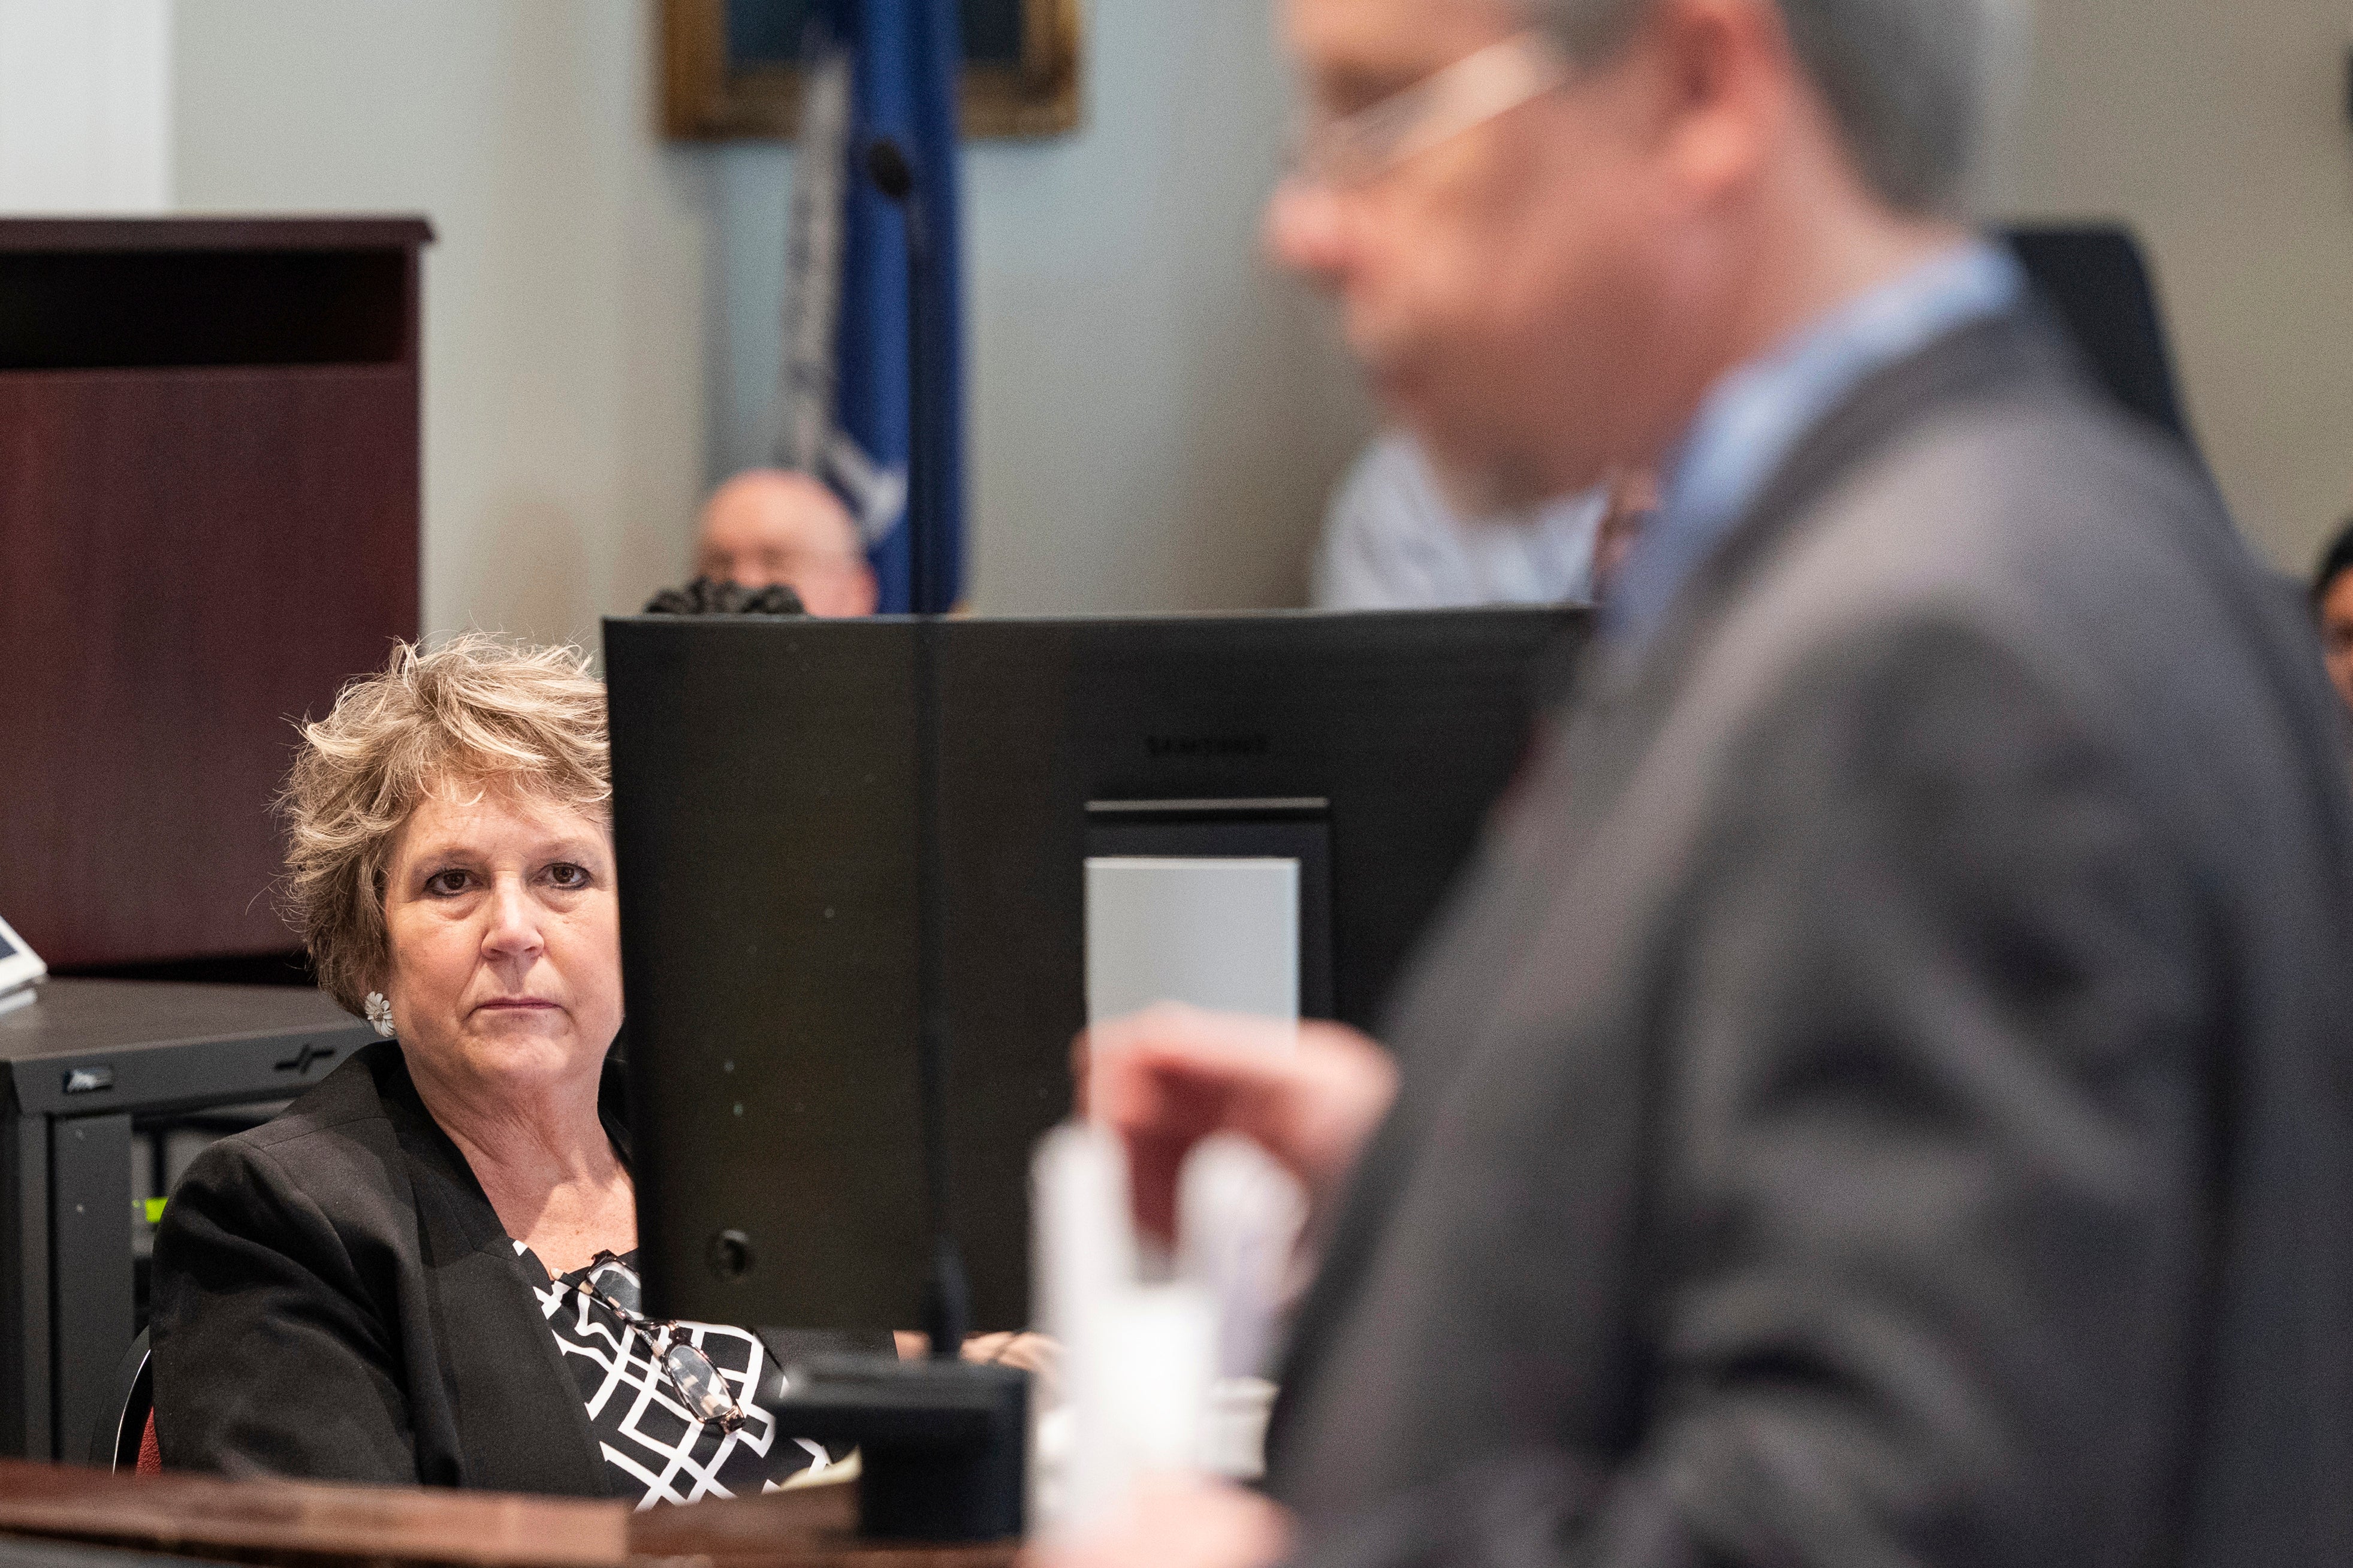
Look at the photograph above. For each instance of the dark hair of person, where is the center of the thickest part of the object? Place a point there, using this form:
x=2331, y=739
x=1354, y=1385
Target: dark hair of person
x=2335, y=562
x=709, y=596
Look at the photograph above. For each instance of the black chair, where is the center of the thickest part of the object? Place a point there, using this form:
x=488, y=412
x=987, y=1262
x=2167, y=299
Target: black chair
x=116, y=1443
x=2093, y=278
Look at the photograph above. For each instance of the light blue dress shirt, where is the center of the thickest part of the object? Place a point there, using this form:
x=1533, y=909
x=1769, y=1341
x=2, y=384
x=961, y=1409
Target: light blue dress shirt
x=1392, y=542
x=1753, y=419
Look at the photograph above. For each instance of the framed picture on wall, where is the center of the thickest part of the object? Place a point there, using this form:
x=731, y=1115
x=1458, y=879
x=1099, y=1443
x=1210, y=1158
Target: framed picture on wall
x=731, y=67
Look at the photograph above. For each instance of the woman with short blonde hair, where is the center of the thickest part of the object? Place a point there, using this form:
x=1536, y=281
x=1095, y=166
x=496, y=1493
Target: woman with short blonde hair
x=424, y=1271
x=530, y=719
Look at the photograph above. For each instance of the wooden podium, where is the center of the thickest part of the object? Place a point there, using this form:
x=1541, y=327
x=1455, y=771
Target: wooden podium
x=302, y=1525
x=209, y=521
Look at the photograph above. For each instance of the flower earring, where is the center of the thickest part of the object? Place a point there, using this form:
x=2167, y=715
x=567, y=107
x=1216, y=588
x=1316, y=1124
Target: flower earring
x=379, y=1012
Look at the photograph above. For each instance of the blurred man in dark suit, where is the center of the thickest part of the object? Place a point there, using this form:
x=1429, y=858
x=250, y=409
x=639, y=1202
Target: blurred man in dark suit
x=1883, y=1097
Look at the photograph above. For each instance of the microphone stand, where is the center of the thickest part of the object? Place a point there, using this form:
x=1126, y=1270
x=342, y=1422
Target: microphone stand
x=947, y=1309
x=943, y=1442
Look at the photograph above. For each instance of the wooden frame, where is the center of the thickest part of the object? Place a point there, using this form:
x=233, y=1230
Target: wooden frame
x=708, y=97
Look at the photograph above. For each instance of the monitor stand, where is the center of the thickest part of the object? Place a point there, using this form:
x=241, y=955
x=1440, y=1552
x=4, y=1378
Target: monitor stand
x=942, y=1443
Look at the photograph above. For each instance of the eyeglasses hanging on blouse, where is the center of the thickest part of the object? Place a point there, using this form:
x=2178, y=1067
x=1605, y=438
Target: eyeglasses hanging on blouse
x=701, y=1387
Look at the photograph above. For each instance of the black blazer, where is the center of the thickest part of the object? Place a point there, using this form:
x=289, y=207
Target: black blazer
x=334, y=1299
x=1884, y=1096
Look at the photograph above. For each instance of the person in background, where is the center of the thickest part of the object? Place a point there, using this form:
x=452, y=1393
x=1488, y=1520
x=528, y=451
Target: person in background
x=774, y=527
x=2332, y=607
x=1392, y=541
x=1880, y=1097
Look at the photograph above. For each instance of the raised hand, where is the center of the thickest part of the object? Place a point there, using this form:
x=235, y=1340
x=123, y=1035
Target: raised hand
x=1310, y=1094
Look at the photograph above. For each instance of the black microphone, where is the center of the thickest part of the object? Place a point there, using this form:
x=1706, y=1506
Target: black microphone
x=945, y=1441
x=947, y=1306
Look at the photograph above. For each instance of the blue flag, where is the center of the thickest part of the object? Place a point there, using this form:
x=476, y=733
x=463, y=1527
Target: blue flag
x=905, y=58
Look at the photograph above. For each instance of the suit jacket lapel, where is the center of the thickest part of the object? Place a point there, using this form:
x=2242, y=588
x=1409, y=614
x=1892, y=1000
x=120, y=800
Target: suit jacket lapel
x=1624, y=695
x=518, y=1425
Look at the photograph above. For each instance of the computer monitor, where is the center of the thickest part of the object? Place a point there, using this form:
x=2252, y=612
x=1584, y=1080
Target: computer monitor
x=766, y=819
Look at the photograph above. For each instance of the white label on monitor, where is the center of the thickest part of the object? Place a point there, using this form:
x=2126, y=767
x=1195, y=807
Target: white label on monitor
x=1221, y=933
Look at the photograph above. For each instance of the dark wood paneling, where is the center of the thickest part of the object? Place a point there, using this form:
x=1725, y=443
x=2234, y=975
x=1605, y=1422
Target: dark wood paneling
x=188, y=558
x=91, y=309
x=247, y=233
x=209, y=521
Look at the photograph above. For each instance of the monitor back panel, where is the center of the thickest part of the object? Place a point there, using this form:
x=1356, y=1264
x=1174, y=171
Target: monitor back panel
x=766, y=817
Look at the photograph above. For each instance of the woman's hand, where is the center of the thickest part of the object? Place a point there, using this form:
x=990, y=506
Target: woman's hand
x=1036, y=1354
x=1310, y=1094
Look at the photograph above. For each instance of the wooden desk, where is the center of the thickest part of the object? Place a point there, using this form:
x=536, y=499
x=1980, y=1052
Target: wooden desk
x=305, y=1524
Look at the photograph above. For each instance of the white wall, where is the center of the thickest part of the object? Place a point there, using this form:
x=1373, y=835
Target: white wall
x=85, y=106
x=566, y=347
x=1155, y=418
x=2219, y=129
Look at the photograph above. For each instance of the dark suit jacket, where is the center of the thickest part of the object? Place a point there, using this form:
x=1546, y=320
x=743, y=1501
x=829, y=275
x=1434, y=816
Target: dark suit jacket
x=336, y=1299
x=1883, y=1097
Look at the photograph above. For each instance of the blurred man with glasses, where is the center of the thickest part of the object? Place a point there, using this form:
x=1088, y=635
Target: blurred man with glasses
x=1882, y=1095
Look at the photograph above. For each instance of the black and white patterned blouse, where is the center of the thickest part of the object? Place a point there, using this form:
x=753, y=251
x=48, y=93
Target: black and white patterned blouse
x=656, y=1451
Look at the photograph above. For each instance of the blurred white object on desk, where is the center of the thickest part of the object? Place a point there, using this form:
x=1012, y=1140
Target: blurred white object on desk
x=1164, y=1358
x=1161, y=1375
x=1138, y=1358
x=1239, y=1218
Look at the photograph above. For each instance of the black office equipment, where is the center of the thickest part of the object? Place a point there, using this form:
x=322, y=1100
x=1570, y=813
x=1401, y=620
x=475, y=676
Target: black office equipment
x=90, y=1070
x=767, y=825
x=942, y=1442
x=947, y=1305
